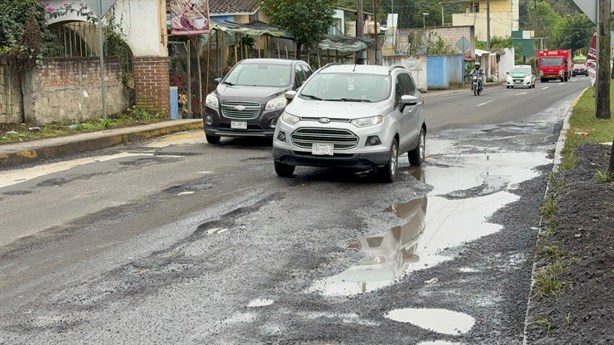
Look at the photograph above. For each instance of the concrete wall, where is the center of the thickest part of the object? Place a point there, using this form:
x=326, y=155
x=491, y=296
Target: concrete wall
x=444, y=71
x=450, y=34
x=417, y=65
x=68, y=89
x=506, y=62
x=143, y=23
x=11, y=104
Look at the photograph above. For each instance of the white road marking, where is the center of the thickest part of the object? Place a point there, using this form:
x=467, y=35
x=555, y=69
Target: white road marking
x=11, y=177
x=481, y=104
x=522, y=93
x=545, y=87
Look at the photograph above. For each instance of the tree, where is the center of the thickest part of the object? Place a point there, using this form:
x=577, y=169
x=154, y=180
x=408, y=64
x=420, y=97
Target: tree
x=542, y=18
x=307, y=20
x=573, y=32
x=23, y=34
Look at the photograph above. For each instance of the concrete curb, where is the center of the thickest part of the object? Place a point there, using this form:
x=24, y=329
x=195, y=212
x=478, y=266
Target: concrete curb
x=21, y=153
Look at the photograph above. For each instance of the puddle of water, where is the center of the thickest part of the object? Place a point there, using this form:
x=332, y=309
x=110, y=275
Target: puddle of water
x=468, y=270
x=388, y=254
x=260, y=302
x=438, y=320
x=474, y=169
x=465, y=194
x=215, y=231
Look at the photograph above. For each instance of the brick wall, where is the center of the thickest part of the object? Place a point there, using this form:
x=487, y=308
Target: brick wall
x=11, y=103
x=152, y=84
x=68, y=89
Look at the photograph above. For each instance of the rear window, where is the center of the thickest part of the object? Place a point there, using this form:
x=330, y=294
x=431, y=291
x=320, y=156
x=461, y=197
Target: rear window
x=256, y=74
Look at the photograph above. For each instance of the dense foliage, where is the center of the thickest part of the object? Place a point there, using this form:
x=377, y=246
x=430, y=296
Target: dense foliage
x=307, y=20
x=23, y=34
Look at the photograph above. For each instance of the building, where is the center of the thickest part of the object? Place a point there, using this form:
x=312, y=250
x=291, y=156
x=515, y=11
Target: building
x=504, y=17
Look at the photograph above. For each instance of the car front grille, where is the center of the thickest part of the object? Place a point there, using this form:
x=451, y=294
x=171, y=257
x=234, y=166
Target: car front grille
x=240, y=110
x=343, y=139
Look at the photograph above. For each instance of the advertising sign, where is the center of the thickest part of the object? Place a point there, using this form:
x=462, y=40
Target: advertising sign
x=189, y=17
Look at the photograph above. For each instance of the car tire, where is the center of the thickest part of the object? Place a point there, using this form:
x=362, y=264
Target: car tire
x=212, y=139
x=389, y=172
x=416, y=156
x=284, y=170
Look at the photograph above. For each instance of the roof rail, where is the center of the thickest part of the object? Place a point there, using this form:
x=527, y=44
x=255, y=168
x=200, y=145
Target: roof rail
x=393, y=67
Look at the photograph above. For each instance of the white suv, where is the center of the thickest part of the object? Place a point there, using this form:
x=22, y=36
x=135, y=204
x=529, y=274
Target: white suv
x=352, y=116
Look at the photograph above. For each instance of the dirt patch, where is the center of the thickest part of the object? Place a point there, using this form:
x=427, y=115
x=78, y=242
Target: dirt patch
x=582, y=312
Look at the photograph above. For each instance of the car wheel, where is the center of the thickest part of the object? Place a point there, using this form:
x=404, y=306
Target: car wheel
x=284, y=170
x=389, y=172
x=417, y=155
x=212, y=139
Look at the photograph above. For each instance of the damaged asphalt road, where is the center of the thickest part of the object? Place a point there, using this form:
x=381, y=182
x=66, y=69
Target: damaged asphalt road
x=443, y=256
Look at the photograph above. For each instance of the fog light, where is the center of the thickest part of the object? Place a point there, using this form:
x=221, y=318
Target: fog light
x=373, y=140
x=208, y=120
x=273, y=123
x=281, y=136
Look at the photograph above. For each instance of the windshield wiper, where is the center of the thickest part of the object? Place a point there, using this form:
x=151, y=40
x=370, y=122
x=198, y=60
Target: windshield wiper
x=354, y=100
x=312, y=97
x=227, y=83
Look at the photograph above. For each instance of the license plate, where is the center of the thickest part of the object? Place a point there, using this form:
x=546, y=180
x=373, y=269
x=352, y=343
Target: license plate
x=319, y=149
x=238, y=124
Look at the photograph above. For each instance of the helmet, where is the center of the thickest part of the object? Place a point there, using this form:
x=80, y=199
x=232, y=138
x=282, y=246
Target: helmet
x=477, y=65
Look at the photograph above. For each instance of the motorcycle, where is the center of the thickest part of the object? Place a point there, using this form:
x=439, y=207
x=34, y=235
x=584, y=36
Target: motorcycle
x=476, y=85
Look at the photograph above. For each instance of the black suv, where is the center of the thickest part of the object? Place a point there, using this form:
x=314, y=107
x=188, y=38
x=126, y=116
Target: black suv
x=248, y=101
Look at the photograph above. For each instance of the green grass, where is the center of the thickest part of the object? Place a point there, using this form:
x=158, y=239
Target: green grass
x=548, y=281
x=542, y=322
x=13, y=133
x=583, y=120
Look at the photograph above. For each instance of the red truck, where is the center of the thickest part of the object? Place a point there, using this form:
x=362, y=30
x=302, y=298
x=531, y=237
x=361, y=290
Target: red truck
x=554, y=64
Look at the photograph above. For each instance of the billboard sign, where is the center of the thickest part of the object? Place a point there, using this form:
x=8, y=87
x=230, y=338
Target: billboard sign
x=189, y=17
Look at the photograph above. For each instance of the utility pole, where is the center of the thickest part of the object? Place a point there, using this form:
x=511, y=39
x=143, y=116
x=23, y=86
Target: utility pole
x=488, y=24
x=377, y=62
x=602, y=106
x=360, y=19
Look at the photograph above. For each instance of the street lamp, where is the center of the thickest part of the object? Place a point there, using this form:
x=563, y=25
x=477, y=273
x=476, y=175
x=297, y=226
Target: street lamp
x=424, y=20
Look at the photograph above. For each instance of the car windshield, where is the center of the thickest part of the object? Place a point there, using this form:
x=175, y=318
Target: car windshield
x=551, y=61
x=520, y=71
x=259, y=74
x=347, y=87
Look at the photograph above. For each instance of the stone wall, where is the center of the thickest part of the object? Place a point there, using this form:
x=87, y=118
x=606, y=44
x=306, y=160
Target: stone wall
x=68, y=89
x=11, y=104
x=152, y=84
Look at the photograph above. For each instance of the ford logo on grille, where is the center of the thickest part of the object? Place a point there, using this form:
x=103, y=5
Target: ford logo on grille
x=324, y=120
x=240, y=107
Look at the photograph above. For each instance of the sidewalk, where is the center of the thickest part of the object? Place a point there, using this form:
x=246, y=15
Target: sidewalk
x=30, y=151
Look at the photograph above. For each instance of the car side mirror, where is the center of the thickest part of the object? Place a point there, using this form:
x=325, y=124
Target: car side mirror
x=507, y=72
x=290, y=95
x=408, y=101
x=217, y=81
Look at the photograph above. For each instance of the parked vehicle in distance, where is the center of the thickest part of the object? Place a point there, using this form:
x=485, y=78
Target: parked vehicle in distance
x=248, y=101
x=520, y=76
x=554, y=64
x=352, y=116
x=579, y=69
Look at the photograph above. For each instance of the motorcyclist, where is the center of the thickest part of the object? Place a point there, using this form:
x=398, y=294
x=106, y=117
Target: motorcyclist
x=479, y=72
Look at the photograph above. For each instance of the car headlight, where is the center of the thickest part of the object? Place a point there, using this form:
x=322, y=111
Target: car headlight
x=212, y=101
x=368, y=121
x=276, y=103
x=289, y=118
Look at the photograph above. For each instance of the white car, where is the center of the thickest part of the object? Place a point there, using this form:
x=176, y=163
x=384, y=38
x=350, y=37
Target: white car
x=520, y=76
